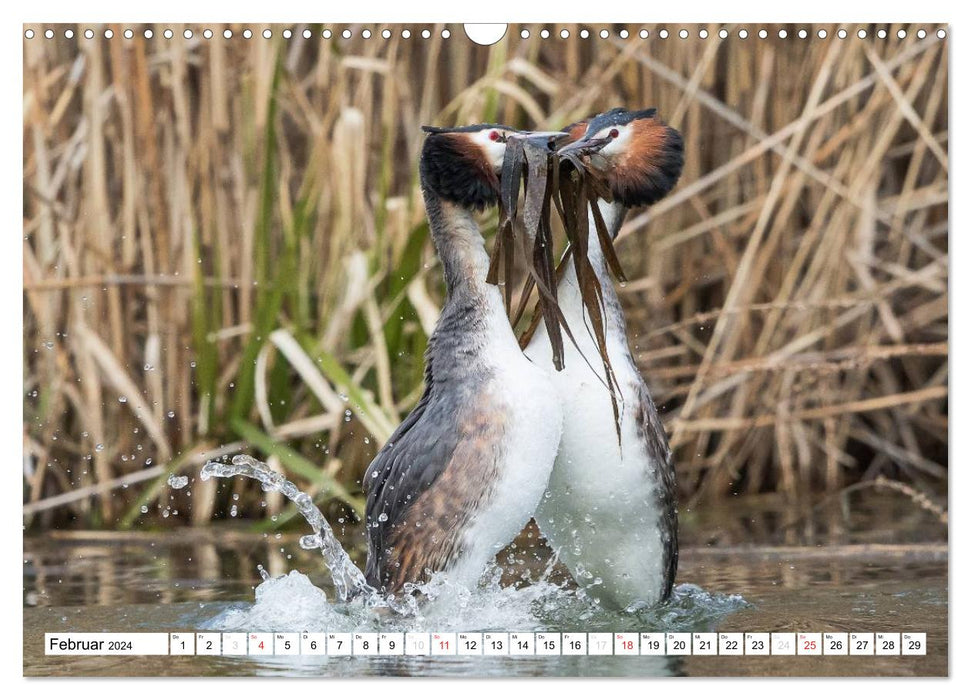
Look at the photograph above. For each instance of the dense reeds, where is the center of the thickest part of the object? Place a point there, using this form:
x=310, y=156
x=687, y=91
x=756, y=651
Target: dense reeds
x=225, y=250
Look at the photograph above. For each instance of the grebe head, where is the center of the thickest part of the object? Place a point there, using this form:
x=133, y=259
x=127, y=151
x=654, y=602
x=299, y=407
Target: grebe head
x=639, y=156
x=462, y=165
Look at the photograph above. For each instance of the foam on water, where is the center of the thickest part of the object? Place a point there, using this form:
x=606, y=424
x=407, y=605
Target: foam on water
x=292, y=603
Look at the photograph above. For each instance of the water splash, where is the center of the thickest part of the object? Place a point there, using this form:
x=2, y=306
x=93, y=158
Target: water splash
x=349, y=581
x=288, y=603
x=292, y=602
x=177, y=482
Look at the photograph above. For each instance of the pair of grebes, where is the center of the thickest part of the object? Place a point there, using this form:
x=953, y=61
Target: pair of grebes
x=499, y=436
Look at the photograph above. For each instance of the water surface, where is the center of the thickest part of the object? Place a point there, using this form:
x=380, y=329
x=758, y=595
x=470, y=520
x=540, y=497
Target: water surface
x=863, y=566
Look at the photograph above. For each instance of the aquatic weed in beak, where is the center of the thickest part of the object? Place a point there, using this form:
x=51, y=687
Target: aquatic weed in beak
x=578, y=192
x=529, y=160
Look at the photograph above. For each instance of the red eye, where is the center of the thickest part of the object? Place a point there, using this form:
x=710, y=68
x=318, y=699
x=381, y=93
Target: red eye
x=614, y=133
x=494, y=135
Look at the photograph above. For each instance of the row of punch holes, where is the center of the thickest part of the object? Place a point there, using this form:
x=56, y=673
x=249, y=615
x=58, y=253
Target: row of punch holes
x=524, y=33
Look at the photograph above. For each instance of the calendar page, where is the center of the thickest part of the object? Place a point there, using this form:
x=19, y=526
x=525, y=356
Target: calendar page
x=485, y=350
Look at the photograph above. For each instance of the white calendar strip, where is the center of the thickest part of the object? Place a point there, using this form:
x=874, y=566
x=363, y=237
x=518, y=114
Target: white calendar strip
x=512, y=644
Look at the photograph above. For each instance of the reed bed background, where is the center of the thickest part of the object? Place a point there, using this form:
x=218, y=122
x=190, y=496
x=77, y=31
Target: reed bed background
x=225, y=250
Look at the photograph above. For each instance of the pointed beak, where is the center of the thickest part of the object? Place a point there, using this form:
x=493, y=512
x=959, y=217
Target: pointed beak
x=583, y=147
x=543, y=139
x=555, y=135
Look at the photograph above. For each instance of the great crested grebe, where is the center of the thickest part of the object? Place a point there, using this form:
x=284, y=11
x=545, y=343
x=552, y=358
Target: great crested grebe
x=610, y=511
x=463, y=473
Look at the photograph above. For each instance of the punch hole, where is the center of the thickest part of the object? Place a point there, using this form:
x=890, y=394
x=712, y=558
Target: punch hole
x=108, y=34
x=763, y=34
x=921, y=33
x=207, y=33
x=307, y=33
x=881, y=33
x=88, y=34
x=247, y=34
x=663, y=33
x=803, y=34
x=129, y=34
x=783, y=33
x=227, y=34
x=643, y=34
x=723, y=33
x=861, y=33
x=524, y=34
x=743, y=34
x=29, y=34
x=148, y=33
x=187, y=33
x=267, y=34
x=485, y=34
x=425, y=34
x=683, y=34
x=366, y=33
x=841, y=33
x=901, y=33
x=544, y=34
x=385, y=33
x=168, y=33
x=941, y=34
x=604, y=33
x=346, y=34
x=327, y=34
x=584, y=33
x=287, y=33
x=821, y=33
x=69, y=33
x=49, y=33
x=405, y=33
x=703, y=33
x=564, y=33
x=446, y=34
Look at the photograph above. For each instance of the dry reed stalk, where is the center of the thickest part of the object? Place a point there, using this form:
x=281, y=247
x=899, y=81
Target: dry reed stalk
x=198, y=206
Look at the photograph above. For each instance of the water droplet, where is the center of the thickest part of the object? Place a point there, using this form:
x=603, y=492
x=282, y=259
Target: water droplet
x=148, y=367
x=383, y=518
x=310, y=542
x=49, y=345
x=144, y=509
x=122, y=399
x=98, y=447
x=171, y=414
x=178, y=482
x=233, y=511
